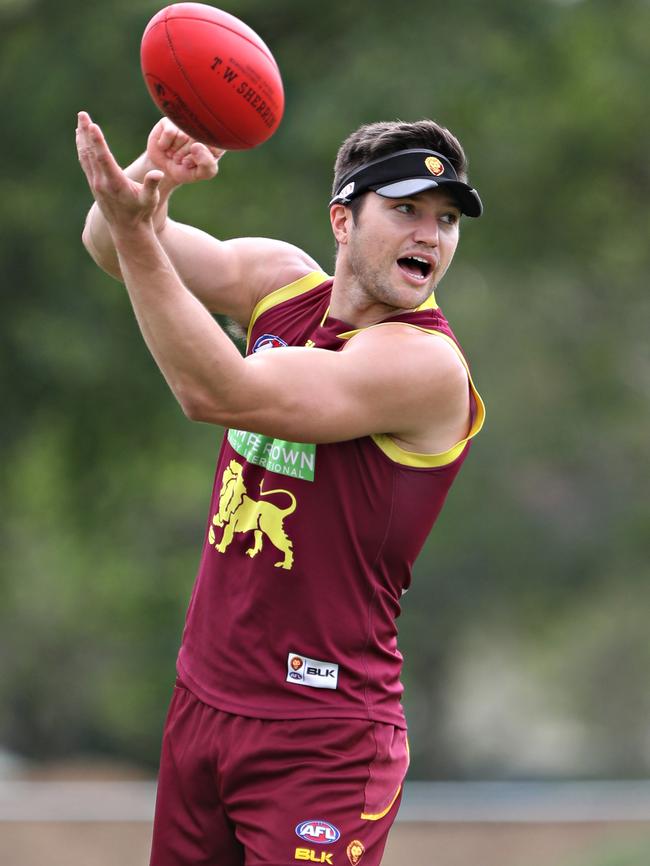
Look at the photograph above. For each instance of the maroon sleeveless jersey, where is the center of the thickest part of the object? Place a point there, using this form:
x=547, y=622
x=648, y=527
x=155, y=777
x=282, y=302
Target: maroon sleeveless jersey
x=308, y=548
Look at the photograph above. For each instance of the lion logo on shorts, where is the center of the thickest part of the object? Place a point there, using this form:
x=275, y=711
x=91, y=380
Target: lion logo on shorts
x=239, y=513
x=355, y=851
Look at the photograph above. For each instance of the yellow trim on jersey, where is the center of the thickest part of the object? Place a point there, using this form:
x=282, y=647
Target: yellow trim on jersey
x=285, y=293
x=367, y=817
x=413, y=458
x=429, y=304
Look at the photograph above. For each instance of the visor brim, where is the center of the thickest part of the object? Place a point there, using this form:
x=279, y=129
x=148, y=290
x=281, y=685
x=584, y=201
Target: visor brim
x=468, y=199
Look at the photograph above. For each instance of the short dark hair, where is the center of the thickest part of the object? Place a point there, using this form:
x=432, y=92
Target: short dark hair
x=374, y=140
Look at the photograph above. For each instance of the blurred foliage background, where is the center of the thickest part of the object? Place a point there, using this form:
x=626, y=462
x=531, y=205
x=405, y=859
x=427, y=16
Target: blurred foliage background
x=526, y=631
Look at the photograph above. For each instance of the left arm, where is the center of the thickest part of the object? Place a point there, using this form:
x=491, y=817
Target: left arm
x=390, y=379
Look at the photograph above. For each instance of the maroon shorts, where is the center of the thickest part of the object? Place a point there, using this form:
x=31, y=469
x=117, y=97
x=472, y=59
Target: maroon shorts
x=236, y=791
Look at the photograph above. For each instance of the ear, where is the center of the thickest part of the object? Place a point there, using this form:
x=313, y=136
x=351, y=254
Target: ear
x=341, y=219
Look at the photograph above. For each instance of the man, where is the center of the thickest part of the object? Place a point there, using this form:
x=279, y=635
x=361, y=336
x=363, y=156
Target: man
x=285, y=740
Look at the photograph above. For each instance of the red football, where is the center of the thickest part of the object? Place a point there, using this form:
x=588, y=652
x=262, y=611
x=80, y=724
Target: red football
x=212, y=75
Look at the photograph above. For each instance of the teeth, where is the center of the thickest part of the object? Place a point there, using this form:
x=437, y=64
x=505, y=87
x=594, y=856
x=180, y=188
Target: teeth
x=426, y=267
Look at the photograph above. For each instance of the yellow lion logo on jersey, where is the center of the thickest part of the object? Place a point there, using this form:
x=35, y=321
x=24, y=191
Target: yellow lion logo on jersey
x=239, y=513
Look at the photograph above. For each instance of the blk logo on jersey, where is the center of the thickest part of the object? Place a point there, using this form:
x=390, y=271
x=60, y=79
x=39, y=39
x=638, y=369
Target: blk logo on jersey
x=268, y=341
x=311, y=856
x=318, y=832
x=311, y=672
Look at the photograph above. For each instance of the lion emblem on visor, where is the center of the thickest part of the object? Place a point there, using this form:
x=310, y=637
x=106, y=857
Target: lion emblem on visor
x=238, y=512
x=434, y=165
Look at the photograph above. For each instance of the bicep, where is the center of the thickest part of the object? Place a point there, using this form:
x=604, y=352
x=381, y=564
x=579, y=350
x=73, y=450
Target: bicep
x=229, y=277
x=402, y=384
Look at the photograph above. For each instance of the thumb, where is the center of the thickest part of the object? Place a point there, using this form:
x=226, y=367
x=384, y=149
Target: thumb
x=150, y=184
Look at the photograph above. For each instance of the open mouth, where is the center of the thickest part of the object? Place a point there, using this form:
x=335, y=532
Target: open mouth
x=415, y=267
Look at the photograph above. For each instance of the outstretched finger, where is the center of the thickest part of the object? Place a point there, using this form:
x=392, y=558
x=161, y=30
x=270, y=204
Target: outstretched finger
x=90, y=141
x=102, y=155
x=84, y=127
x=84, y=146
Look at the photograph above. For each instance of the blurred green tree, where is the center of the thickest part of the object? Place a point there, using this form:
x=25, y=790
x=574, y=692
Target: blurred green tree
x=105, y=484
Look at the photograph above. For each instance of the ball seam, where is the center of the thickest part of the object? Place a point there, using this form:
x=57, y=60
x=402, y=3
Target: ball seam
x=191, y=86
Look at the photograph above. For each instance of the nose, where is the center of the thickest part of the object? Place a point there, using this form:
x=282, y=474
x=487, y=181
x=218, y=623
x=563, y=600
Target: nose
x=426, y=231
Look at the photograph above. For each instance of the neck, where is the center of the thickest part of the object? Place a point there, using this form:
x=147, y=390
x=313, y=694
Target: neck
x=350, y=303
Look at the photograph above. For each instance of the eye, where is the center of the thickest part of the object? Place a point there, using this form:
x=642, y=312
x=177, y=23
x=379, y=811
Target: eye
x=451, y=218
x=405, y=208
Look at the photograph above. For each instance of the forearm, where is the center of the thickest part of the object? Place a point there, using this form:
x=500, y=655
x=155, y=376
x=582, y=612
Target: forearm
x=199, y=362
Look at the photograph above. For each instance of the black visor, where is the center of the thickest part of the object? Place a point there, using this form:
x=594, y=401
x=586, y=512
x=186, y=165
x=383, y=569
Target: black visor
x=406, y=173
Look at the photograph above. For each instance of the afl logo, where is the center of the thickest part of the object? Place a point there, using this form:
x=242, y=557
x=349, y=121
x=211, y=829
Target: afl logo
x=318, y=832
x=434, y=165
x=268, y=341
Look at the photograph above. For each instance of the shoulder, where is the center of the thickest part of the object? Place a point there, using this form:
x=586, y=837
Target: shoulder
x=432, y=353
x=270, y=264
x=424, y=375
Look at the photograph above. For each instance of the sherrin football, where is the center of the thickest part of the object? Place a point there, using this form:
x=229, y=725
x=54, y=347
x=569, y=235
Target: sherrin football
x=212, y=75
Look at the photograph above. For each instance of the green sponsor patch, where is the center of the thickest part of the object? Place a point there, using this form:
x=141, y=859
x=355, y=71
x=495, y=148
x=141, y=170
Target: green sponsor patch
x=296, y=459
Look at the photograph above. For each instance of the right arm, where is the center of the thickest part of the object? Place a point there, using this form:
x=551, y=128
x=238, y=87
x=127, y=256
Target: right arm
x=228, y=277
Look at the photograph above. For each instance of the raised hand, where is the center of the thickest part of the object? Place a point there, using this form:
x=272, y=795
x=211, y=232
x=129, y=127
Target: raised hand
x=182, y=159
x=125, y=203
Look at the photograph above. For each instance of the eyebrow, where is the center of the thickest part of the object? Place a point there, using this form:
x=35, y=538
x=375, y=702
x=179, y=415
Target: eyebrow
x=447, y=201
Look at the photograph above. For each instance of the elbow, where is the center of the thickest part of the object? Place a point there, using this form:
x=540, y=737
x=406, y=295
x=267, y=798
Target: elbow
x=91, y=249
x=197, y=406
x=109, y=264
x=87, y=242
x=194, y=410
